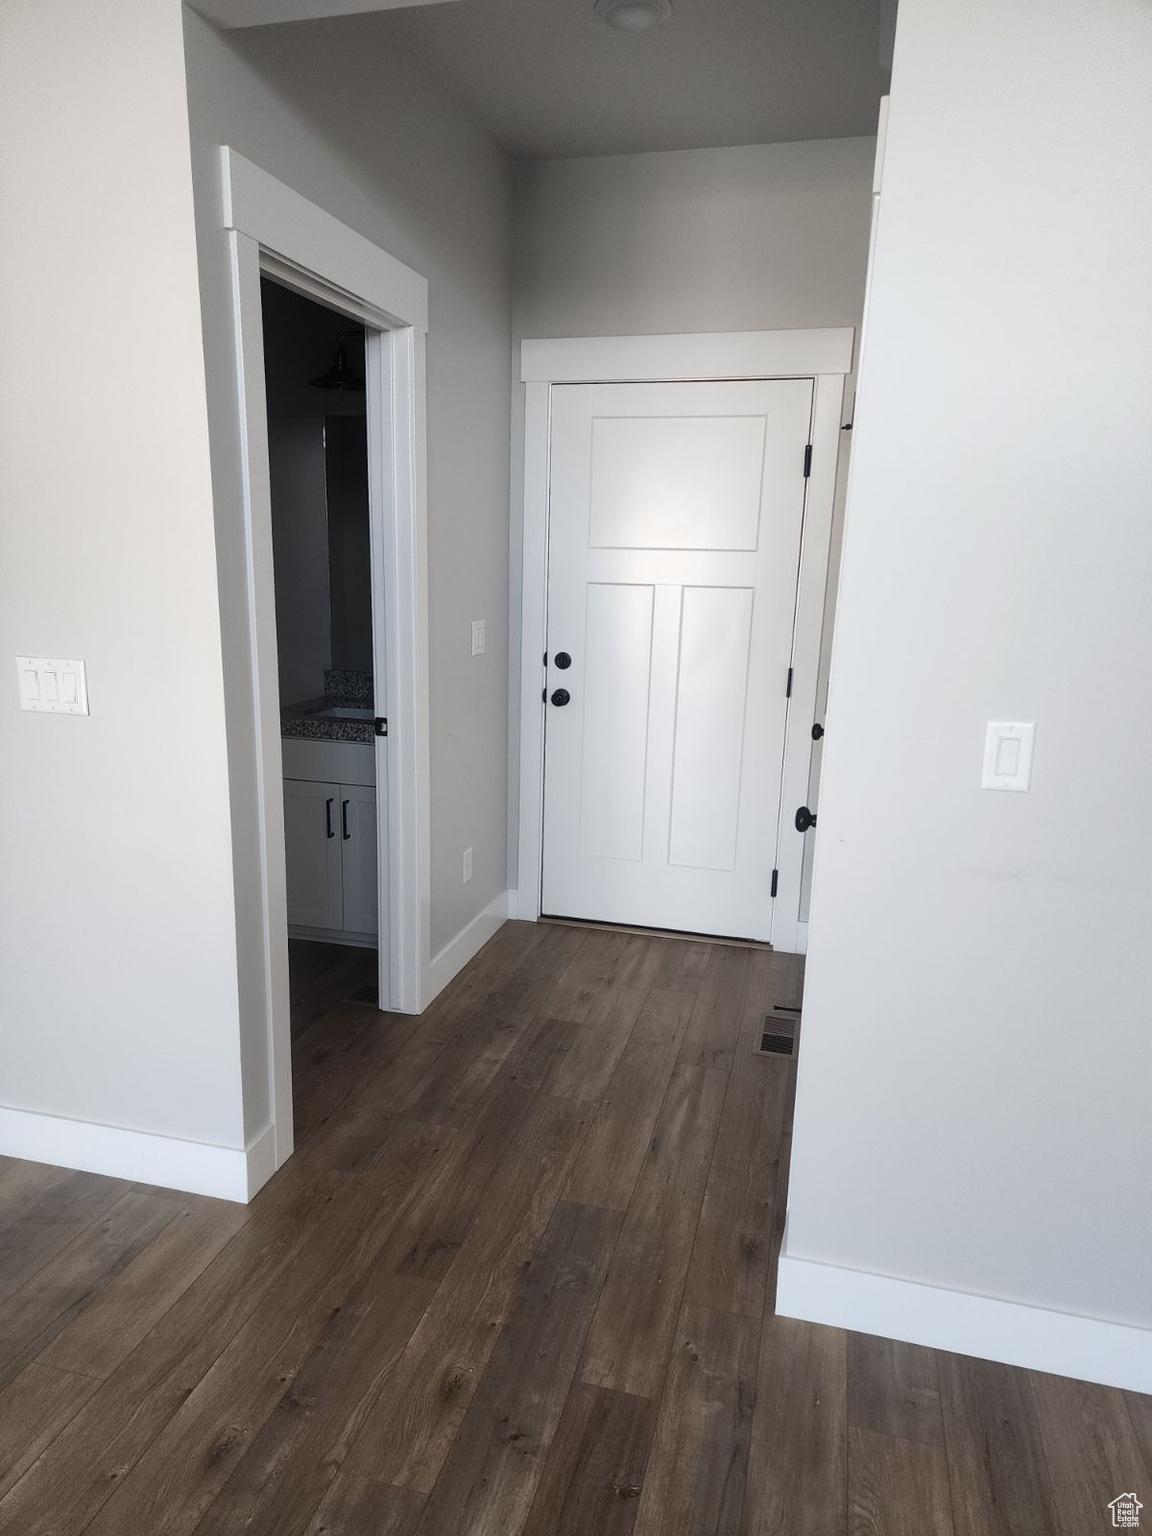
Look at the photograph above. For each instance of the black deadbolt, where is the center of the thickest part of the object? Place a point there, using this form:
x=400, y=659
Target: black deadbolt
x=561, y=696
x=563, y=660
x=804, y=819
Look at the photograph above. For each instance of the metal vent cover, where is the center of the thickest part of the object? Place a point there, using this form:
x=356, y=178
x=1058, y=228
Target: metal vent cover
x=777, y=1037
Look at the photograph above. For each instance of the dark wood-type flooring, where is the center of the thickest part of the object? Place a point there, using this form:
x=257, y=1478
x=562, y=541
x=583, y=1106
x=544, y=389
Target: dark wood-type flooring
x=516, y=1281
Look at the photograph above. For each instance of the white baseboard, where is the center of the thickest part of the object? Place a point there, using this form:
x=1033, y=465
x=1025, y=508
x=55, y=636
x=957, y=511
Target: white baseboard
x=452, y=959
x=229, y=1173
x=1059, y=1342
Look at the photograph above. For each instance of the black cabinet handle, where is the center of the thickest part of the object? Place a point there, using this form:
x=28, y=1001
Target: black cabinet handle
x=344, y=820
x=328, y=804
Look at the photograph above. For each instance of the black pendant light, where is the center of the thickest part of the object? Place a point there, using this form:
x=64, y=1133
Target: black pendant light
x=341, y=375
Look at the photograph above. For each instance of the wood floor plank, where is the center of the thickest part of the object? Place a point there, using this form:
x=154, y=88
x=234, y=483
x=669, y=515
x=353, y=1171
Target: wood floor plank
x=98, y=1448
x=489, y=1479
x=186, y=1466
x=33, y=1411
x=733, y=1249
x=47, y=1225
x=613, y=1154
x=410, y=1430
x=327, y=1062
x=586, y=1068
x=360, y=1506
x=292, y=1461
x=1092, y=1449
x=896, y=1487
x=126, y=1310
x=488, y=1031
x=631, y=1333
x=21, y=1184
x=714, y=1028
x=544, y=1043
x=996, y=1466
x=894, y=1389
x=1139, y=1406
x=594, y=1472
x=798, y=1459
x=695, y=1481
x=441, y=1214
x=579, y=984
x=33, y=1316
x=681, y=966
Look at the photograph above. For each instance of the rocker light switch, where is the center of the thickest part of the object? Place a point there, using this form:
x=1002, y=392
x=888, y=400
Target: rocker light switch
x=1008, y=755
x=50, y=685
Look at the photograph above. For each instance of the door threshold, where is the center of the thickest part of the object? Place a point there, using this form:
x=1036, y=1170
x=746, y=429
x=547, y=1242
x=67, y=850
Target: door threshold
x=657, y=933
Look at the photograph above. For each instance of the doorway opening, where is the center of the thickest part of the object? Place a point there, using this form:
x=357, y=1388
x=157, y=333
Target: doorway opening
x=316, y=392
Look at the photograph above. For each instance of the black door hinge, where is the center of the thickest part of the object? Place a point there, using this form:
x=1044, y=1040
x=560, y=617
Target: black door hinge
x=808, y=461
x=380, y=725
x=788, y=687
x=775, y=882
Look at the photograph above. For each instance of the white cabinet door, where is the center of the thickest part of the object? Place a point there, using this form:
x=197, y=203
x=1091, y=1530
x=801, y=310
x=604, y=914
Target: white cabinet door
x=312, y=854
x=675, y=527
x=358, y=846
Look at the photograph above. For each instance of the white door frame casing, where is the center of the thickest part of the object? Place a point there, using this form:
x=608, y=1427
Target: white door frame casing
x=273, y=229
x=825, y=356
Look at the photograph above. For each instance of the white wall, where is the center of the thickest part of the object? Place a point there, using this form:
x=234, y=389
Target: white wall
x=976, y=1066
x=762, y=237
x=382, y=147
x=117, y=954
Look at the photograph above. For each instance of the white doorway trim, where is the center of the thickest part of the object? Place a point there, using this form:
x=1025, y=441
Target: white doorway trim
x=823, y=355
x=274, y=230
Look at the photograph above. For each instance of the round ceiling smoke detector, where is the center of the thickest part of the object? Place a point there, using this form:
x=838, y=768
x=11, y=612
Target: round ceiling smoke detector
x=633, y=15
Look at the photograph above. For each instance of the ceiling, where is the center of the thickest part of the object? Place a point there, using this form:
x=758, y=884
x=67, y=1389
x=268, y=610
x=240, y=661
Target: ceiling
x=549, y=79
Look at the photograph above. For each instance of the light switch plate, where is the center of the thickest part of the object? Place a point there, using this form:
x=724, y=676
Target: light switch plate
x=1008, y=755
x=52, y=686
x=467, y=869
x=478, y=638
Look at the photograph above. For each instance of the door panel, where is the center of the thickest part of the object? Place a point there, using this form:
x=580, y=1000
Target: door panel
x=312, y=854
x=674, y=538
x=614, y=704
x=358, y=843
x=676, y=482
x=711, y=694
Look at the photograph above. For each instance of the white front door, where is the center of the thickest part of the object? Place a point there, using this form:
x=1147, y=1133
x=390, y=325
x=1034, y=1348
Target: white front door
x=675, y=514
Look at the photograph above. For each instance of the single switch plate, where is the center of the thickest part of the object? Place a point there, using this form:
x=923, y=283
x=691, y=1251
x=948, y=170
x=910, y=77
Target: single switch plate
x=52, y=686
x=478, y=641
x=1008, y=755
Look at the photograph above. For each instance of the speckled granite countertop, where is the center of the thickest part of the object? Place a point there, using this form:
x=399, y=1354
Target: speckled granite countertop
x=343, y=712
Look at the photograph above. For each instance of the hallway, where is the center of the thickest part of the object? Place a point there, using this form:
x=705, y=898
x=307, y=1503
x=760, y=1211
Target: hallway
x=516, y=1279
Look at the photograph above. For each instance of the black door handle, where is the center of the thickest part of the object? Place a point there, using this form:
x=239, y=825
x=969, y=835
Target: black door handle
x=328, y=804
x=561, y=697
x=344, y=820
x=804, y=819
x=817, y=731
